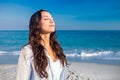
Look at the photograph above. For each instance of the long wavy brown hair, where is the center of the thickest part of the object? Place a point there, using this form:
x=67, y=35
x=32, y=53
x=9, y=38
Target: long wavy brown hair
x=40, y=58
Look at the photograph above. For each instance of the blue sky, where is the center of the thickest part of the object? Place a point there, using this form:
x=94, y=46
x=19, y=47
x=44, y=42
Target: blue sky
x=68, y=14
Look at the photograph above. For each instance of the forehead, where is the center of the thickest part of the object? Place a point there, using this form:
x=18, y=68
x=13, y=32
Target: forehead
x=45, y=14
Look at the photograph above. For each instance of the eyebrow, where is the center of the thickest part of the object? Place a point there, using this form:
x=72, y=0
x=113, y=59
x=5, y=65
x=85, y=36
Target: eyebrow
x=47, y=16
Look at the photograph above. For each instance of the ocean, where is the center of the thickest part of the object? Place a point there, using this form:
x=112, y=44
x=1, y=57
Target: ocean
x=89, y=46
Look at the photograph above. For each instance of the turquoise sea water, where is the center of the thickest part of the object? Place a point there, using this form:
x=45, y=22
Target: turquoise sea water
x=79, y=46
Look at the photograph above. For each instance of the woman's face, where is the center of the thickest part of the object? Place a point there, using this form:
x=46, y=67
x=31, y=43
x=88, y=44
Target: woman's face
x=47, y=23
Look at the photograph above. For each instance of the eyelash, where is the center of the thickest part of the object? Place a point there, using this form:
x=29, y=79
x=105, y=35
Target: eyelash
x=48, y=19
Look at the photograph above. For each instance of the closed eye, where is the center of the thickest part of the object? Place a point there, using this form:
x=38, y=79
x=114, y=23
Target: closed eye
x=46, y=19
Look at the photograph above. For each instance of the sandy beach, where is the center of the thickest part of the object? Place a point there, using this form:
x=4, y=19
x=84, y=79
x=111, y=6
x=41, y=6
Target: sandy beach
x=86, y=71
x=96, y=71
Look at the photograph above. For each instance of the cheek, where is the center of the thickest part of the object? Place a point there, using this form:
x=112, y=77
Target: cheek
x=44, y=24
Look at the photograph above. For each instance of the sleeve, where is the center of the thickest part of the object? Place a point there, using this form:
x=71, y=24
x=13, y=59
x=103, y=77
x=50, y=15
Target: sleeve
x=23, y=67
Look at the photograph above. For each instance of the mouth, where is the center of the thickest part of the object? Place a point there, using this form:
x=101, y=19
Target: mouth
x=52, y=26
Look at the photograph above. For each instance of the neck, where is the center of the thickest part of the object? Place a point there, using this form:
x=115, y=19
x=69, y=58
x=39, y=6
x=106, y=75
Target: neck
x=46, y=43
x=45, y=39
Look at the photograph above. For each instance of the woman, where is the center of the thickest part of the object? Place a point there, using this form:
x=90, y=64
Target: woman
x=42, y=58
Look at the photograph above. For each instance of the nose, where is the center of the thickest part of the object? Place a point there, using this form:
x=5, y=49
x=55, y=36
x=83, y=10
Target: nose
x=51, y=20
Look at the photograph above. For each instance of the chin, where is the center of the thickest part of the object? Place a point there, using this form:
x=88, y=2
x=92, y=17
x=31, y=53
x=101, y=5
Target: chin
x=52, y=31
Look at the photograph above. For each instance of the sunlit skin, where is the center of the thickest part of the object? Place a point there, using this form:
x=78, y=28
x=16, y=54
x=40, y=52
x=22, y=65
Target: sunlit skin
x=47, y=23
x=47, y=26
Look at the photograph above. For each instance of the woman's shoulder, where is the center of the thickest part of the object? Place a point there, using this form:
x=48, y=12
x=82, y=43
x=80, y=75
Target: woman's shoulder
x=27, y=46
x=27, y=50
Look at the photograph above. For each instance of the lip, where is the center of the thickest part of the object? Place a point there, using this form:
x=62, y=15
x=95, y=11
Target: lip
x=52, y=25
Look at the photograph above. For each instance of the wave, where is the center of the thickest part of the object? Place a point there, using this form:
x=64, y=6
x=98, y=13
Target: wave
x=69, y=53
x=96, y=53
x=9, y=52
x=77, y=53
x=105, y=55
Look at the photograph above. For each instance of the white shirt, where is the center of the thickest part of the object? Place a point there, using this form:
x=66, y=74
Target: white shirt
x=26, y=70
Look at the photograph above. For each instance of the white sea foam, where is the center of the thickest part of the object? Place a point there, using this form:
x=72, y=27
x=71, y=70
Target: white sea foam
x=2, y=52
x=15, y=52
x=84, y=54
x=87, y=54
x=9, y=52
x=75, y=53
